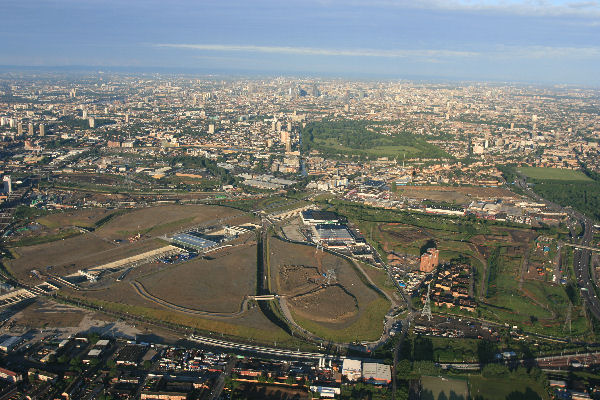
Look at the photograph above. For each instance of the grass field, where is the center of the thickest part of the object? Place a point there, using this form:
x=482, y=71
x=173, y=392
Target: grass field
x=379, y=151
x=435, y=388
x=553, y=174
x=482, y=388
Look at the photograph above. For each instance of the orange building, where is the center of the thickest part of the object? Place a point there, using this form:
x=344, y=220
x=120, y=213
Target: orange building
x=429, y=260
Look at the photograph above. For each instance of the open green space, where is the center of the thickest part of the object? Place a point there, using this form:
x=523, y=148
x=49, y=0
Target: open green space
x=577, y=189
x=482, y=388
x=365, y=139
x=538, y=305
x=553, y=174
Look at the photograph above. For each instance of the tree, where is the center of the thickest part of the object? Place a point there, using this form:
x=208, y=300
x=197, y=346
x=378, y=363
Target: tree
x=495, y=371
x=403, y=369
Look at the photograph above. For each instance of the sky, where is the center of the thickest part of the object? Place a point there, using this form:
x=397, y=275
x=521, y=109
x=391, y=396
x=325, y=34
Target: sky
x=537, y=41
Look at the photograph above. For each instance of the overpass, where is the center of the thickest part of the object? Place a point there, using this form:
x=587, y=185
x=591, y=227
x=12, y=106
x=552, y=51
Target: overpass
x=264, y=297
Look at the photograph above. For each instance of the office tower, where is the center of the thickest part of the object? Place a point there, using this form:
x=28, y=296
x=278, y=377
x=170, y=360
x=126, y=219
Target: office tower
x=85, y=115
x=126, y=118
x=289, y=126
x=7, y=184
x=92, y=122
x=211, y=128
x=19, y=129
x=30, y=131
x=288, y=145
x=11, y=122
x=42, y=130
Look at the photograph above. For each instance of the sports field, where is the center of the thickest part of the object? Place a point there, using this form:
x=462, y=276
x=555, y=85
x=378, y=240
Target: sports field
x=435, y=387
x=556, y=174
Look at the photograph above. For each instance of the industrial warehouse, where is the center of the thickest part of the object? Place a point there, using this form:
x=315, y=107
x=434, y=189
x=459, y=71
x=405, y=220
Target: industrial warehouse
x=194, y=241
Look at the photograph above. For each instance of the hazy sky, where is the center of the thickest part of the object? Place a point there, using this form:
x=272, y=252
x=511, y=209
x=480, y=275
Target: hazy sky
x=543, y=40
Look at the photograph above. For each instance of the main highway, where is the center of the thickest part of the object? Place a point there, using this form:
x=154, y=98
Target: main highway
x=581, y=256
x=581, y=266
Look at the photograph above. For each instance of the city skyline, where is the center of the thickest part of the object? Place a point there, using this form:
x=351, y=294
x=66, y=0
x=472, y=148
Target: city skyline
x=518, y=41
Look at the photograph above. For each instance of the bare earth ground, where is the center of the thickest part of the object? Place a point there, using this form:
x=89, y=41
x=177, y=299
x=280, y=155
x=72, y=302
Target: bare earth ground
x=56, y=253
x=331, y=305
x=47, y=314
x=316, y=304
x=163, y=219
x=458, y=195
x=86, y=217
x=217, y=285
x=69, y=255
x=96, y=248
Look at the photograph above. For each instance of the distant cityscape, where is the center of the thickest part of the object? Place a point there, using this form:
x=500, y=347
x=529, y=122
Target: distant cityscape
x=187, y=237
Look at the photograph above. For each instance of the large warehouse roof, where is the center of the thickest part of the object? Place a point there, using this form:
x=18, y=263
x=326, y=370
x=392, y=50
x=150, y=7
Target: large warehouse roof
x=377, y=372
x=333, y=232
x=317, y=216
x=195, y=242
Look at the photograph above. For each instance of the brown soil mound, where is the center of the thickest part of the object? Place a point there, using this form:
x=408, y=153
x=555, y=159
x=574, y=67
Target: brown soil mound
x=326, y=304
x=296, y=279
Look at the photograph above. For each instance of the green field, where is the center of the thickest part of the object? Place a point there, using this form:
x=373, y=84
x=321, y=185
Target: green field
x=482, y=388
x=380, y=151
x=365, y=139
x=555, y=174
x=435, y=387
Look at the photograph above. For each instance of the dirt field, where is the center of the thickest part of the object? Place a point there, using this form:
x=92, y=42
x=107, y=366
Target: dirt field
x=217, y=285
x=316, y=304
x=98, y=247
x=45, y=314
x=69, y=255
x=293, y=280
x=459, y=195
x=168, y=218
x=56, y=253
x=334, y=305
x=403, y=233
x=85, y=218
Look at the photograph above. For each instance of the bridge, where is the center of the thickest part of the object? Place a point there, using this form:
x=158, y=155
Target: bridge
x=264, y=297
x=581, y=246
